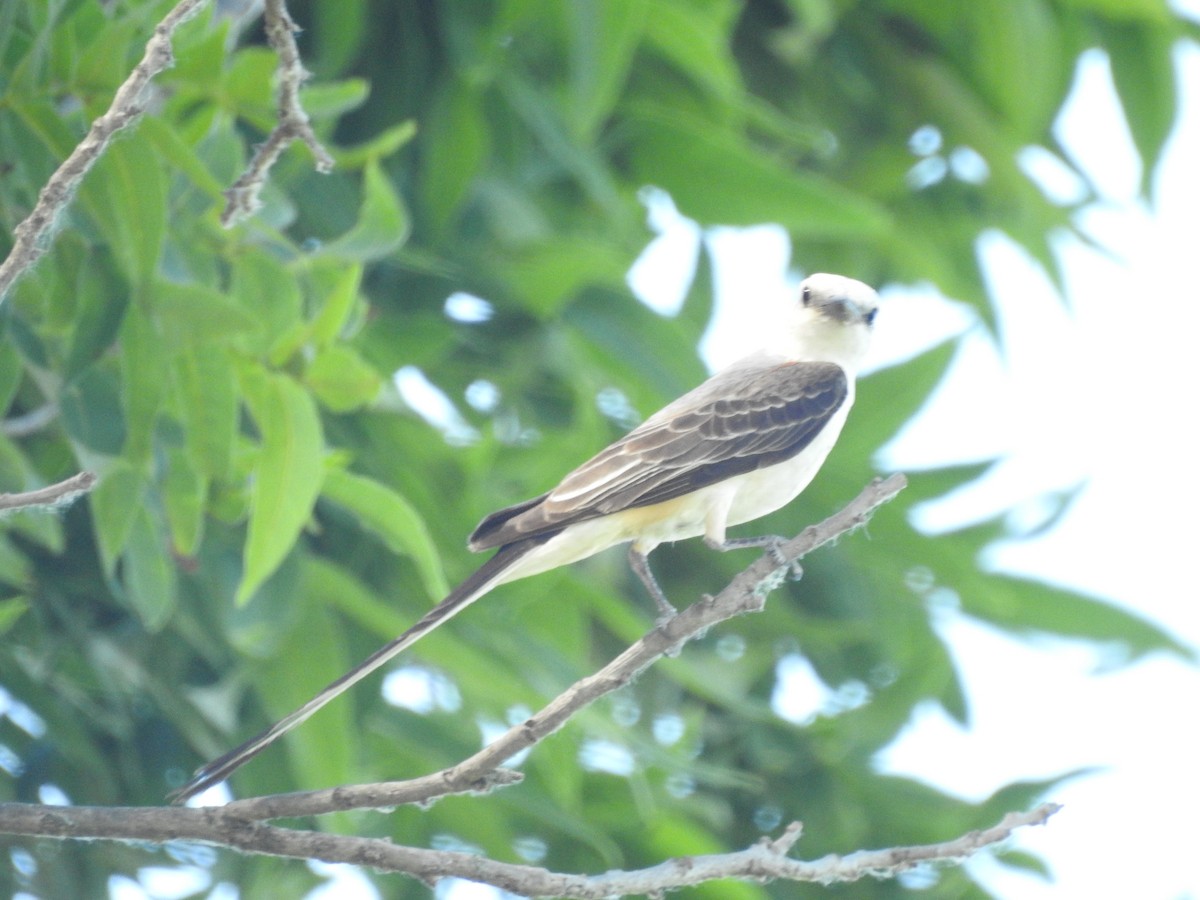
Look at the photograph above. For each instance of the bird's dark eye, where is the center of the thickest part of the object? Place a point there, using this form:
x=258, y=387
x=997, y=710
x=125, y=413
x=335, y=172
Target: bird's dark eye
x=805, y=295
x=869, y=318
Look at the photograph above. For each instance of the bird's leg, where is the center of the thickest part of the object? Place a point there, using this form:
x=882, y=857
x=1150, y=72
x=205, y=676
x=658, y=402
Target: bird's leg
x=641, y=568
x=772, y=543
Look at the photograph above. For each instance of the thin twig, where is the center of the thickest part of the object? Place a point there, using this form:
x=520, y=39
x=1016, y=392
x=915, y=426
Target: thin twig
x=746, y=593
x=32, y=237
x=242, y=198
x=763, y=861
x=61, y=494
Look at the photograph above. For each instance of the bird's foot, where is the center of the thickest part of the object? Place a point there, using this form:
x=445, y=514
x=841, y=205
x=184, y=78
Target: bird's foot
x=772, y=545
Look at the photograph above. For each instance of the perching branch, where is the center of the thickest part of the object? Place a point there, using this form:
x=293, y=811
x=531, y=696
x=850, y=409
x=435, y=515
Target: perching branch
x=746, y=593
x=242, y=198
x=61, y=494
x=766, y=860
x=238, y=825
x=32, y=236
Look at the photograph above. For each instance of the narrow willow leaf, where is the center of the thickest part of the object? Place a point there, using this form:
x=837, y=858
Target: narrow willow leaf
x=148, y=572
x=114, y=503
x=341, y=379
x=287, y=474
x=11, y=610
x=382, y=225
x=394, y=519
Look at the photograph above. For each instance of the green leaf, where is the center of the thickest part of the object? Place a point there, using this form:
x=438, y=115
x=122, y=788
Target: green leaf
x=11, y=372
x=27, y=341
x=629, y=334
x=1016, y=36
x=342, y=29
x=200, y=52
x=602, y=40
x=199, y=315
x=175, y=151
x=144, y=366
x=339, y=590
x=43, y=120
x=1145, y=10
x=268, y=294
x=100, y=58
x=547, y=274
x=184, y=493
x=248, y=85
x=381, y=146
x=1027, y=606
x=207, y=401
x=148, y=573
x=96, y=318
x=287, y=474
x=341, y=379
x=91, y=410
x=1026, y=862
x=1143, y=72
x=16, y=473
x=339, y=289
x=15, y=567
x=382, y=224
x=695, y=38
x=329, y=99
x=115, y=502
x=126, y=196
x=717, y=178
x=457, y=143
x=394, y=519
x=11, y=610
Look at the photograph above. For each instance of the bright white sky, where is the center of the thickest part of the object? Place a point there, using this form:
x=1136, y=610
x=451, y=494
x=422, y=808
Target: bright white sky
x=1102, y=392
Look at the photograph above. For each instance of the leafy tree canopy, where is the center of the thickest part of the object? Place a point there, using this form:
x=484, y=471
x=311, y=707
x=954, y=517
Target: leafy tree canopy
x=270, y=510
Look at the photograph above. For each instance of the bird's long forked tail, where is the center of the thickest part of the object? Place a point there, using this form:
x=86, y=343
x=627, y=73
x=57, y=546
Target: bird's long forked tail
x=477, y=584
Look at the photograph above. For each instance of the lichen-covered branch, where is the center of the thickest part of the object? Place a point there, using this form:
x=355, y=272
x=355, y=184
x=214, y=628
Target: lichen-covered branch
x=765, y=861
x=746, y=593
x=60, y=494
x=32, y=236
x=242, y=198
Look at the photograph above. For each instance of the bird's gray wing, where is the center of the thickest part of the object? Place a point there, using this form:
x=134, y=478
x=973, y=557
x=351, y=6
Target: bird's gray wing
x=737, y=421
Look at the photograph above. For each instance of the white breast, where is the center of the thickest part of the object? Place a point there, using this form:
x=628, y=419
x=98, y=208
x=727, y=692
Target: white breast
x=766, y=490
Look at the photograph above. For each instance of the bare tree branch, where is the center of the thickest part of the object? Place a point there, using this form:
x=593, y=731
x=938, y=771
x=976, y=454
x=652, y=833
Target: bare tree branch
x=746, y=593
x=31, y=237
x=61, y=494
x=242, y=198
x=765, y=861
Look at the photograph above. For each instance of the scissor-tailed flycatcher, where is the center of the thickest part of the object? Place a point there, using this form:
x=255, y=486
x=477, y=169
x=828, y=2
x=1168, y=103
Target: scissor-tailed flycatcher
x=741, y=445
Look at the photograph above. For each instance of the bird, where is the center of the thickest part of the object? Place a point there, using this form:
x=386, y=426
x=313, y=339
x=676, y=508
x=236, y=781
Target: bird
x=741, y=445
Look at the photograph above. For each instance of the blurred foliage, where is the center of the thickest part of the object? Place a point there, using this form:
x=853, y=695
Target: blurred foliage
x=271, y=510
